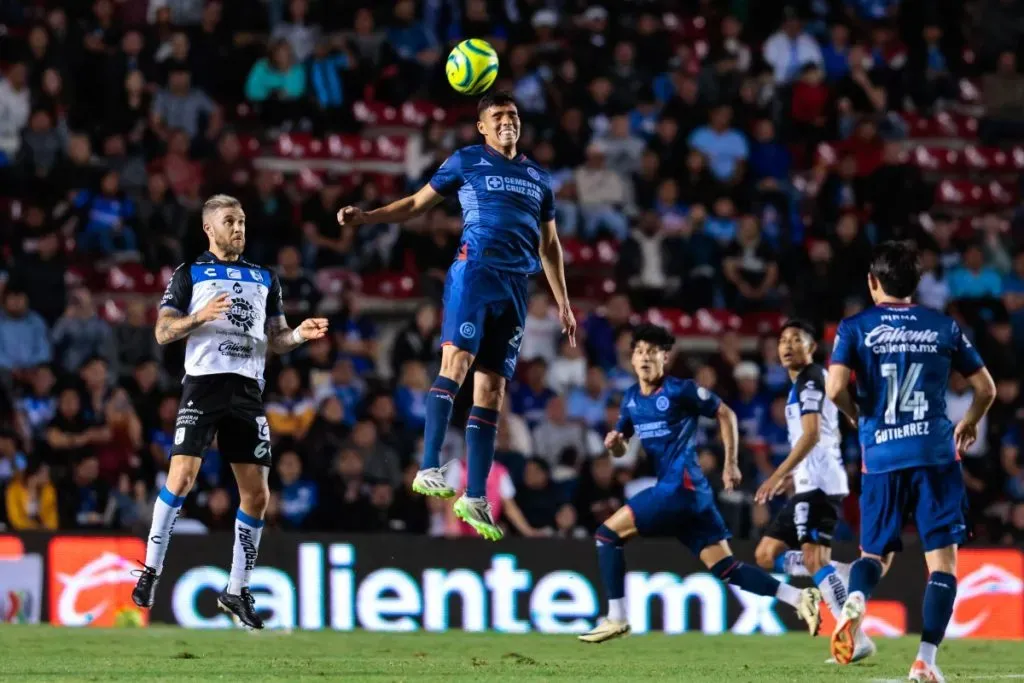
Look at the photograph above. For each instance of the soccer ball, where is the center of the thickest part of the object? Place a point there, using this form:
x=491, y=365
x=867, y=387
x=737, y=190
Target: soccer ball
x=472, y=66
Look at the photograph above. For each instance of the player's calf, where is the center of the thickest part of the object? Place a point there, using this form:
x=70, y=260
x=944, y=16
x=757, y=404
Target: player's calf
x=755, y=580
x=439, y=403
x=612, y=562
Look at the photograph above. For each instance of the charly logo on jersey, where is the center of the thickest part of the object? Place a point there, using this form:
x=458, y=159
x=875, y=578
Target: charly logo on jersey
x=467, y=330
x=532, y=172
x=662, y=403
x=242, y=314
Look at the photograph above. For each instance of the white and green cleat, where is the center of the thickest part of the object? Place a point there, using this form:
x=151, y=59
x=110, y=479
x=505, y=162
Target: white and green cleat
x=431, y=482
x=606, y=629
x=476, y=512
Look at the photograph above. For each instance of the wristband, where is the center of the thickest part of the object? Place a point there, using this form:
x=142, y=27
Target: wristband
x=297, y=337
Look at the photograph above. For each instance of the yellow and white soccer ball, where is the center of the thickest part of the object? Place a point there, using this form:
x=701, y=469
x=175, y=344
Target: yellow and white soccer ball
x=472, y=66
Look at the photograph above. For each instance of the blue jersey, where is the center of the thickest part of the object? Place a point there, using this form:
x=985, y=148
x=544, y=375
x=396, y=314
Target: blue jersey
x=902, y=356
x=666, y=423
x=504, y=201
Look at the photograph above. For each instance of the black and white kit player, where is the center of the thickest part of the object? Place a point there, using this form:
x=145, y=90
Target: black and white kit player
x=799, y=540
x=232, y=313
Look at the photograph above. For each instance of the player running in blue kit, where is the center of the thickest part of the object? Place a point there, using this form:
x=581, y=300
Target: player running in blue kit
x=508, y=214
x=902, y=355
x=663, y=413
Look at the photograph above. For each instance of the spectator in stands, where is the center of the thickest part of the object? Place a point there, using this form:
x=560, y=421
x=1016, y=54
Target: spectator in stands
x=790, y=48
x=15, y=105
x=30, y=500
x=135, y=340
x=107, y=218
x=897, y=193
x=163, y=224
x=542, y=331
x=355, y=333
x=184, y=173
x=81, y=334
x=751, y=268
x=603, y=195
x=299, y=495
x=413, y=43
x=623, y=150
x=501, y=492
x=538, y=498
x=859, y=92
x=180, y=106
x=300, y=295
x=994, y=232
x=276, y=84
x=130, y=167
x=750, y=405
x=601, y=328
x=530, y=396
x=290, y=412
x=84, y=498
x=809, y=106
x=380, y=461
x=599, y=494
x=568, y=369
x=559, y=440
x=725, y=148
x=411, y=394
x=974, y=280
x=12, y=459
x=409, y=512
x=38, y=406
x=587, y=403
x=770, y=161
x=1003, y=99
x=931, y=83
x=297, y=31
x=118, y=454
x=977, y=467
x=996, y=344
x=932, y=290
x=418, y=341
x=648, y=262
x=835, y=53
x=24, y=339
x=1013, y=296
x=42, y=145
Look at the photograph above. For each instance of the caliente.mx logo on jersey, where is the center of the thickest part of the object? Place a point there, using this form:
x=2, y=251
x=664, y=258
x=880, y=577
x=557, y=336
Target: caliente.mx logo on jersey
x=242, y=314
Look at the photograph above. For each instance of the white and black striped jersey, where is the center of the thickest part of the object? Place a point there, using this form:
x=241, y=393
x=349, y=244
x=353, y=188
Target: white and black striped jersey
x=823, y=467
x=237, y=342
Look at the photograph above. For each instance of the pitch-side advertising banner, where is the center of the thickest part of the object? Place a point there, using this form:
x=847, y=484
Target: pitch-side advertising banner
x=399, y=583
x=21, y=589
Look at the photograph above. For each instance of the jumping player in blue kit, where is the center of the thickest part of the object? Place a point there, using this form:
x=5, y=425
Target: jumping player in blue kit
x=663, y=412
x=509, y=233
x=902, y=355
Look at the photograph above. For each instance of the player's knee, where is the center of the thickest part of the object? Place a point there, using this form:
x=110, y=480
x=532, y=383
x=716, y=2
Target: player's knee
x=182, y=474
x=455, y=364
x=764, y=555
x=255, y=501
x=814, y=558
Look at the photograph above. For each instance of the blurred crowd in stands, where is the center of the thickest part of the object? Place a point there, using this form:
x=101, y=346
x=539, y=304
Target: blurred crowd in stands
x=708, y=156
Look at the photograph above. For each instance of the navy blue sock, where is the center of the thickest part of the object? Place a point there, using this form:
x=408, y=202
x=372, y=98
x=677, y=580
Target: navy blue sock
x=612, y=561
x=749, y=578
x=481, y=431
x=865, y=574
x=939, y=595
x=440, y=400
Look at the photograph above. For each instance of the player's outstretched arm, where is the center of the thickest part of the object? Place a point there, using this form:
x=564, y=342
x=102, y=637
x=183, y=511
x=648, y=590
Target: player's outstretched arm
x=837, y=387
x=397, y=211
x=554, y=270
x=172, y=324
x=728, y=425
x=282, y=339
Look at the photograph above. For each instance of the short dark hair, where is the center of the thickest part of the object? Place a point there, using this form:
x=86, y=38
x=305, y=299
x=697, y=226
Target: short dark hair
x=656, y=335
x=896, y=266
x=799, y=324
x=495, y=98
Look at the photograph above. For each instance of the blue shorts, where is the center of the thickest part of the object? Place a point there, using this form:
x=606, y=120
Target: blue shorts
x=484, y=313
x=667, y=511
x=932, y=496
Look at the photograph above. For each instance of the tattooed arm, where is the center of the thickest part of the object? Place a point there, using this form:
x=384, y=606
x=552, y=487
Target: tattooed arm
x=282, y=339
x=172, y=324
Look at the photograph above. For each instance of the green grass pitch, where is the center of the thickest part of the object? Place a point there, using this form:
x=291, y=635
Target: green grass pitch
x=43, y=653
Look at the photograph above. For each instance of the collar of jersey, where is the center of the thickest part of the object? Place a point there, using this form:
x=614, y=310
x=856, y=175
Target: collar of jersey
x=493, y=152
x=896, y=304
x=208, y=257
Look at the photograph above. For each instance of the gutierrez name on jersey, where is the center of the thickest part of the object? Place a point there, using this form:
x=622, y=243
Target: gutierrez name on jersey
x=236, y=343
x=823, y=467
